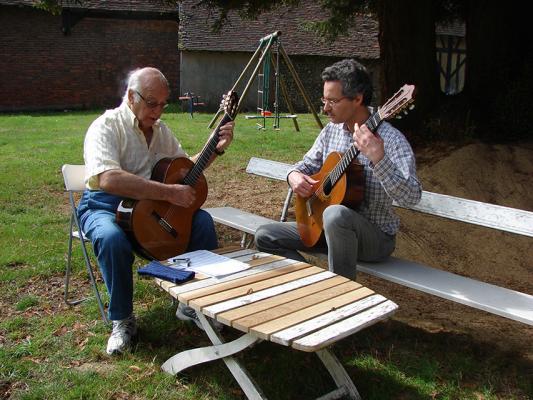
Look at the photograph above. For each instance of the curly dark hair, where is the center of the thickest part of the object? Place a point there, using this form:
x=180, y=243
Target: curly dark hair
x=353, y=77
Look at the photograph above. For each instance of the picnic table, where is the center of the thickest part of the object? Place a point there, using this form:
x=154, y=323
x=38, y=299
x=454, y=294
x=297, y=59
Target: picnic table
x=284, y=301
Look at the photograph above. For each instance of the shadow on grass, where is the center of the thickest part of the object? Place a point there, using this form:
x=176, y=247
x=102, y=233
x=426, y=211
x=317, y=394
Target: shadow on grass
x=390, y=360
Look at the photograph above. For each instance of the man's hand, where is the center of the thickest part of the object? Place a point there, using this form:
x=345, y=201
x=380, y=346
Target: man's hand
x=371, y=145
x=225, y=136
x=301, y=184
x=180, y=195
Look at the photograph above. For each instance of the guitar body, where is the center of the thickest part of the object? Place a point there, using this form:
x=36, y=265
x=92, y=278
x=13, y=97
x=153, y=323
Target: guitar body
x=348, y=190
x=158, y=229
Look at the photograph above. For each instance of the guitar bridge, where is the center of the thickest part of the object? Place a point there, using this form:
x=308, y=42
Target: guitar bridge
x=164, y=224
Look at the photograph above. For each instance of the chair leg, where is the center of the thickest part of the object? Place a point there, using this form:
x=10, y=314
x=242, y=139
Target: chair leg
x=68, y=269
x=88, y=265
x=93, y=280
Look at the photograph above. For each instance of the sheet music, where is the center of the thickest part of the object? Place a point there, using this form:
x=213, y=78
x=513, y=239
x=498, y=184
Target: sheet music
x=208, y=263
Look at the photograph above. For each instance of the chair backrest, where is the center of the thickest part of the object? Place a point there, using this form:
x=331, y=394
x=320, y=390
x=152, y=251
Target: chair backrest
x=74, y=177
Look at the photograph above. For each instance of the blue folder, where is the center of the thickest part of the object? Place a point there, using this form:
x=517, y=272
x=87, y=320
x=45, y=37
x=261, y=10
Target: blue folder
x=158, y=270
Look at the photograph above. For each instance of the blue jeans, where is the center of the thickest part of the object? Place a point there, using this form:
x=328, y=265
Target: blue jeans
x=114, y=252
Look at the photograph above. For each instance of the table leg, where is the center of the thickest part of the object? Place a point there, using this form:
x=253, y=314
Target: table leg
x=219, y=350
x=338, y=373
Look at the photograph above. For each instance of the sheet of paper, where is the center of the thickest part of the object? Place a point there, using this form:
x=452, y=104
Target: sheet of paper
x=208, y=263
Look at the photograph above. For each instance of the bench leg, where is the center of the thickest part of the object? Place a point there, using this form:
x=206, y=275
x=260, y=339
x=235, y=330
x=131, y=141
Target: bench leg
x=345, y=385
x=220, y=350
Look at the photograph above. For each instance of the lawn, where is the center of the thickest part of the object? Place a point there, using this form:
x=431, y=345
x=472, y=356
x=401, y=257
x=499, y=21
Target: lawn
x=51, y=351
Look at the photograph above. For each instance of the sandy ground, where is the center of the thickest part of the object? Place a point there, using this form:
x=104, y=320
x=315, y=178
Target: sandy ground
x=498, y=174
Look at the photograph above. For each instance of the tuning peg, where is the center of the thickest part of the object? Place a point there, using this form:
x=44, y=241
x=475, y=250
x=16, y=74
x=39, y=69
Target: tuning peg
x=398, y=117
x=411, y=106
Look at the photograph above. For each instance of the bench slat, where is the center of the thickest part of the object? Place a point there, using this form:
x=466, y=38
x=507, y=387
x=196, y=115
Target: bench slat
x=475, y=212
x=268, y=168
x=484, y=296
x=235, y=218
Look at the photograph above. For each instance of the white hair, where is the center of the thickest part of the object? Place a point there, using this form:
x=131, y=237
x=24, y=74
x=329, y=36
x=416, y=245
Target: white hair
x=135, y=84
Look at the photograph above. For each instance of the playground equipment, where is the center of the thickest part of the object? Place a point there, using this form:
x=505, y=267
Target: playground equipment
x=264, y=57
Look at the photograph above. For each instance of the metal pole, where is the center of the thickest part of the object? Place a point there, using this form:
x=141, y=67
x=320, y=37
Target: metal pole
x=254, y=73
x=285, y=94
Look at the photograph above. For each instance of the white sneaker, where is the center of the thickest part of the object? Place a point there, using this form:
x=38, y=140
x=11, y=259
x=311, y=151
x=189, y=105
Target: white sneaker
x=120, y=339
x=186, y=313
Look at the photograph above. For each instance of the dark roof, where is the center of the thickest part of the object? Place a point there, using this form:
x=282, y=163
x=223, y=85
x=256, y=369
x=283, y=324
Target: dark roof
x=155, y=6
x=244, y=35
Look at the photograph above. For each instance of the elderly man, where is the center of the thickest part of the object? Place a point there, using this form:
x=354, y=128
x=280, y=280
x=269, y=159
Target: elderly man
x=121, y=148
x=368, y=232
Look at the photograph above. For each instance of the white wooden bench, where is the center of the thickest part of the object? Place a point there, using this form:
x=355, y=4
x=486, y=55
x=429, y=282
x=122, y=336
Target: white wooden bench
x=494, y=299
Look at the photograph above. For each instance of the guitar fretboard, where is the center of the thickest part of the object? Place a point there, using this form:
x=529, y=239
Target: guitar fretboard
x=372, y=123
x=196, y=171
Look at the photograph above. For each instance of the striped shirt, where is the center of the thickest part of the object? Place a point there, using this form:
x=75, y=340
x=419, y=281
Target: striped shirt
x=115, y=141
x=393, y=178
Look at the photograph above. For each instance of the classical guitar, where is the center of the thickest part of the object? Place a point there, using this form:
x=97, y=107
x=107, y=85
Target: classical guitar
x=158, y=229
x=341, y=180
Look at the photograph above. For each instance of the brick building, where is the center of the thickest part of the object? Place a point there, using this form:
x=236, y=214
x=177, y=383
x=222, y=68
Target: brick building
x=79, y=59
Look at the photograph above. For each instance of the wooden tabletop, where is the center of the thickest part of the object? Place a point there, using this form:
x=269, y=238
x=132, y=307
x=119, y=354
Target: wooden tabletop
x=285, y=301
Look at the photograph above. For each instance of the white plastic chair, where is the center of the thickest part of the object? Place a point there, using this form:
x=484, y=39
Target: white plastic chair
x=74, y=176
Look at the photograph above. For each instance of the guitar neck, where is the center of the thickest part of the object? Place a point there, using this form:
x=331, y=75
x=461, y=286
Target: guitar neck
x=372, y=123
x=196, y=171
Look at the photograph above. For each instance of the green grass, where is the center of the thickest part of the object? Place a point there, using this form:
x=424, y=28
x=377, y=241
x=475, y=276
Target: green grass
x=50, y=351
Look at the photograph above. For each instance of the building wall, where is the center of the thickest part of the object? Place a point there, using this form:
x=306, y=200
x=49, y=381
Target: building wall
x=209, y=74
x=41, y=69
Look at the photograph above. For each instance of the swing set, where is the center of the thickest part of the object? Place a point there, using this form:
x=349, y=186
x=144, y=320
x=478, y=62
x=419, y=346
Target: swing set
x=265, y=58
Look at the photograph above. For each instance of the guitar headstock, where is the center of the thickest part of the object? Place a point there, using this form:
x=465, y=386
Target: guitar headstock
x=400, y=101
x=229, y=103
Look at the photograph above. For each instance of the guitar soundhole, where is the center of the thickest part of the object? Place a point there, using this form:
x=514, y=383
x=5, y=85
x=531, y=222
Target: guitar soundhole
x=327, y=186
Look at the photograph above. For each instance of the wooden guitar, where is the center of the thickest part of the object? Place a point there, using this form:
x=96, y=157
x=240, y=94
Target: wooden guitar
x=158, y=229
x=341, y=178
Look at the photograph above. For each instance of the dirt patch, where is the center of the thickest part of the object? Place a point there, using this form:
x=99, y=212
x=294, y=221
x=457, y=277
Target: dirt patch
x=498, y=174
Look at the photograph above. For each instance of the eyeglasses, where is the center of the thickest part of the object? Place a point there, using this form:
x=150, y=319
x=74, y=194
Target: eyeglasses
x=333, y=102
x=152, y=104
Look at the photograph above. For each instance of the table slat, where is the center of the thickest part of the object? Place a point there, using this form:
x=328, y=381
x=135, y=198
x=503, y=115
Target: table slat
x=175, y=291
x=220, y=287
x=246, y=323
x=254, y=287
x=286, y=336
x=236, y=313
x=265, y=330
x=344, y=328
x=211, y=311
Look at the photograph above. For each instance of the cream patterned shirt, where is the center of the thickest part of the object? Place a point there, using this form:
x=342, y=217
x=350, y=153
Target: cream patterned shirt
x=115, y=141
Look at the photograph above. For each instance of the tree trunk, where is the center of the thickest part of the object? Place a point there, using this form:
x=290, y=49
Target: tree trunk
x=407, y=46
x=498, y=78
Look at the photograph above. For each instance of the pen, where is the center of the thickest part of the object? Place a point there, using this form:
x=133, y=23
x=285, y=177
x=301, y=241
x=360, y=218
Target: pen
x=186, y=261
